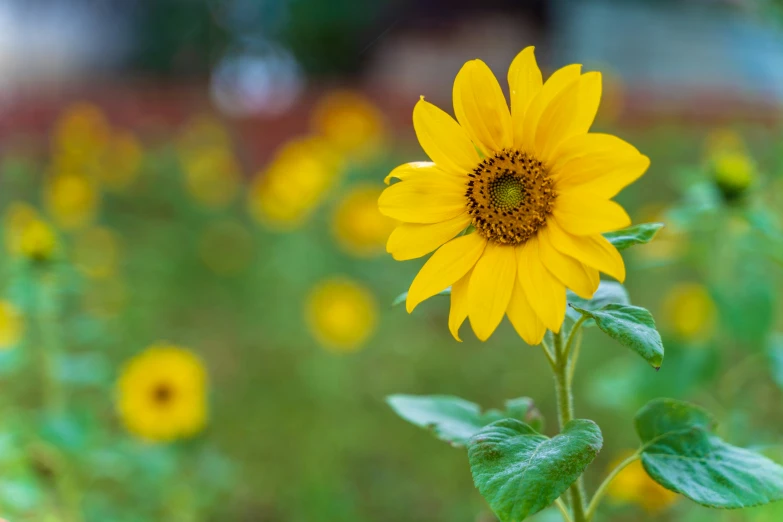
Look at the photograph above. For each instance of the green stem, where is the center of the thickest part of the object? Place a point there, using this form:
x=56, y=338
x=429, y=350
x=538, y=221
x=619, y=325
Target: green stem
x=65, y=483
x=605, y=484
x=49, y=340
x=565, y=404
x=563, y=510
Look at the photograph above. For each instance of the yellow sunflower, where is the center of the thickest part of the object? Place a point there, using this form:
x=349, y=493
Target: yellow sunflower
x=161, y=394
x=533, y=185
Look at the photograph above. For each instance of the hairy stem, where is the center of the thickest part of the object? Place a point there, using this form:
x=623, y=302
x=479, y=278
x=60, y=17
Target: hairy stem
x=565, y=404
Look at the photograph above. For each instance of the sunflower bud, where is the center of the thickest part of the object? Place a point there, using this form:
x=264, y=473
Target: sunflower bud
x=733, y=173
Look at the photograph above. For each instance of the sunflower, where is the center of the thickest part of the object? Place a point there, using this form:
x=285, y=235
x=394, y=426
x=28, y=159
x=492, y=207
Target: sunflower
x=532, y=187
x=161, y=394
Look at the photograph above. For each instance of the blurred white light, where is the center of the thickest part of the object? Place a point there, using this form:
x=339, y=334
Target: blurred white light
x=257, y=82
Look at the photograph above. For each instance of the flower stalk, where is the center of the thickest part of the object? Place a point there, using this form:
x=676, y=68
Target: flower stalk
x=565, y=405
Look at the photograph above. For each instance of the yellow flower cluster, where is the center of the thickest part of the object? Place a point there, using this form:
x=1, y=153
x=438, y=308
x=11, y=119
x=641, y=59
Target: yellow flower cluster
x=88, y=155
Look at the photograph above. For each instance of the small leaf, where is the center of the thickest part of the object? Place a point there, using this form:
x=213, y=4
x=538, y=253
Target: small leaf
x=456, y=420
x=681, y=453
x=609, y=292
x=520, y=472
x=775, y=353
x=631, y=326
x=524, y=409
x=635, y=235
x=400, y=299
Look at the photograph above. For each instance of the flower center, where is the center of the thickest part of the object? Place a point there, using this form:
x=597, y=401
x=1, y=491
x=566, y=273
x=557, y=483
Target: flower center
x=162, y=393
x=510, y=196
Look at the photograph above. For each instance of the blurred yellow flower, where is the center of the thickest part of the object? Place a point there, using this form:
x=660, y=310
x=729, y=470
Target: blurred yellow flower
x=721, y=141
x=105, y=299
x=38, y=241
x=161, y=394
x=350, y=122
x=17, y=217
x=669, y=242
x=121, y=161
x=734, y=173
x=634, y=486
x=358, y=225
x=226, y=247
x=341, y=314
x=96, y=252
x=294, y=183
x=202, y=132
x=81, y=130
x=71, y=200
x=11, y=325
x=212, y=176
x=690, y=311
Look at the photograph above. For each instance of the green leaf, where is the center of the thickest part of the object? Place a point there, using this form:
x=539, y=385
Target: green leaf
x=400, y=299
x=456, y=420
x=635, y=235
x=775, y=353
x=520, y=472
x=609, y=292
x=681, y=453
x=631, y=326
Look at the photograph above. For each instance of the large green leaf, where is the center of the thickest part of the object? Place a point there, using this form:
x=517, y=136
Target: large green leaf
x=520, y=472
x=680, y=452
x=635, y=235
x=456, y=420
x=609, y=292
x=632, y=326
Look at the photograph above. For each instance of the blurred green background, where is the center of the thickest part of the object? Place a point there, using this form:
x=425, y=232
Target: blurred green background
x=203, y=174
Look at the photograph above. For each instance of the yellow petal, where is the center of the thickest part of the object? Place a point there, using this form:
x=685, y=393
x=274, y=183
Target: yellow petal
x=582, y=280
x=524, y=83
x=412, y=240
x=590, y=91
x=412, y=170
x=594, y=251
x=481, y=108
x=424, y=199
x=605, y=178
x=559, y=80
x=449, y=263
x=525, y=321
x=545, y=293
x=444, y=141
x=569, y=114
x=458, y=311
x=490, y=288
x=596, y=146
x=584, y=214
